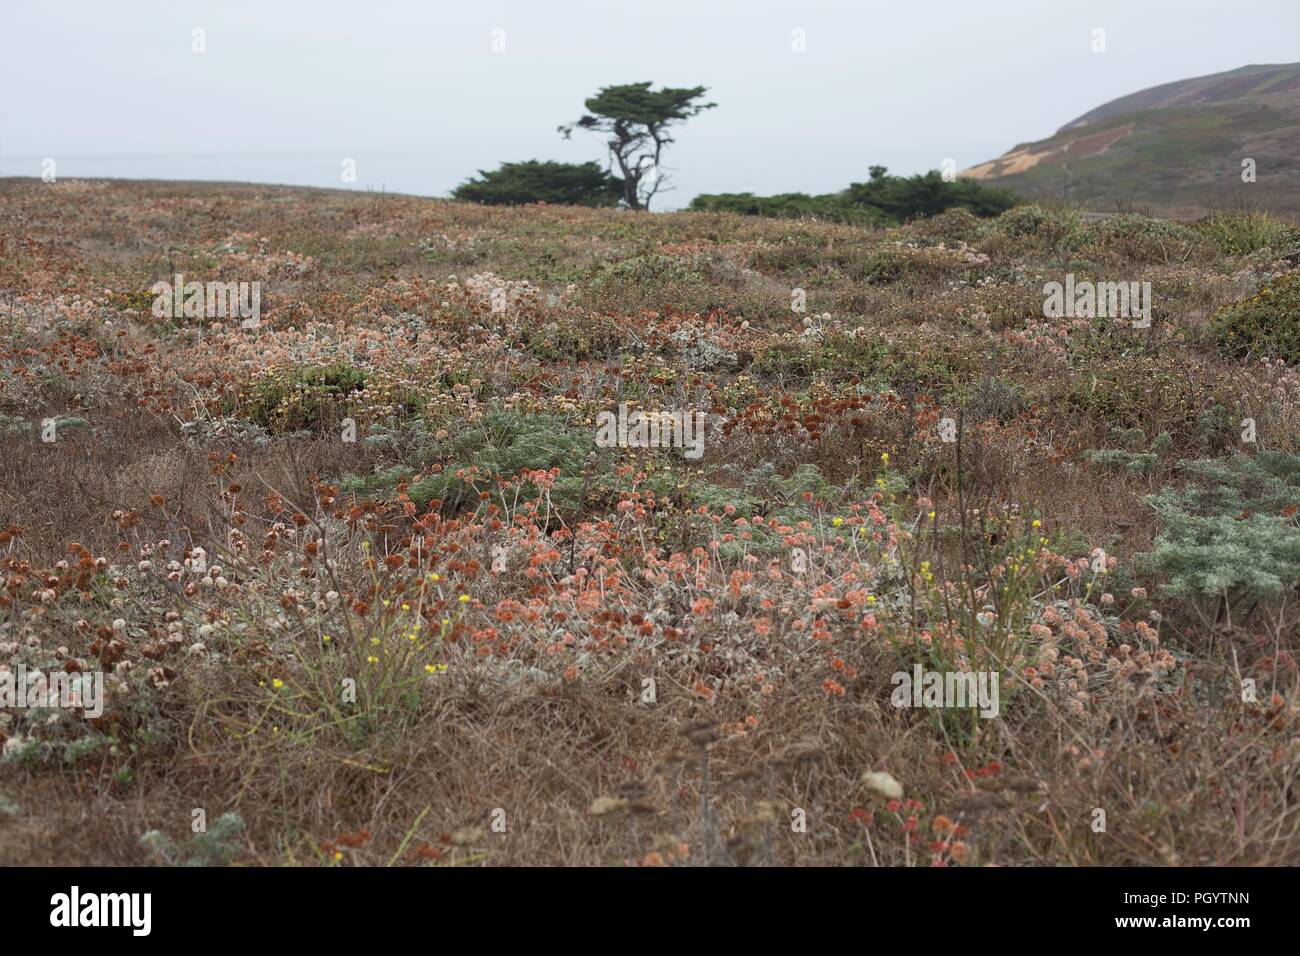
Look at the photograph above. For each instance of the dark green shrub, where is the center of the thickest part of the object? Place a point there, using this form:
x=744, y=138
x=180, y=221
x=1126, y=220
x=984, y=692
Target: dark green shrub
x=514, y=184
x=883, y=199
x=908, y=197
x=790, y=206
x=1268, y=323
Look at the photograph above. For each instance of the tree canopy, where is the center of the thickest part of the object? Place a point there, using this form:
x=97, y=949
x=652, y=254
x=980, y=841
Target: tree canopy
x=882, y=200
x=637, y=122
x=513, y=184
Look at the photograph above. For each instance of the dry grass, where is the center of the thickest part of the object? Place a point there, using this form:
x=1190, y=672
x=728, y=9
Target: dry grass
x=500, y=627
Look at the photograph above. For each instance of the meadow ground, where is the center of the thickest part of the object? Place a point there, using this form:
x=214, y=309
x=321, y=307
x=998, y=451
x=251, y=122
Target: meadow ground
x=365, y=588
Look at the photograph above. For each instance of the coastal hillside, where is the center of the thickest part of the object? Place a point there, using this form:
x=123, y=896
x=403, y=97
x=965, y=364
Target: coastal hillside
x=1178, y=146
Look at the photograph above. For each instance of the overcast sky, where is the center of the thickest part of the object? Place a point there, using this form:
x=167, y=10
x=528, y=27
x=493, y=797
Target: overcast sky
x=413, y=91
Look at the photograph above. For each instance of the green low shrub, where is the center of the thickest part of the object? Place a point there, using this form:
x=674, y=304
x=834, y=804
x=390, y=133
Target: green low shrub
x=649, y=281
x=1268, y=323
x=296, y=398
x=1241, y=235
x=1233, y=532
x=1137, y=240
x=217, y=846
x=501, y=445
